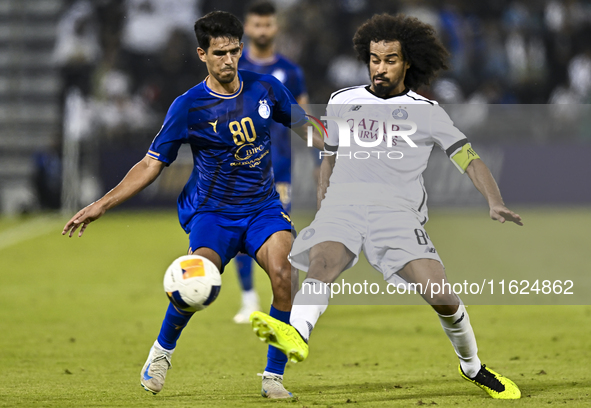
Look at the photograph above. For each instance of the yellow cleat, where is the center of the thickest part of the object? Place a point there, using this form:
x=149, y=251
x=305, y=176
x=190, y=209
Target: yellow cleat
x=493, y=383
x=280, y=335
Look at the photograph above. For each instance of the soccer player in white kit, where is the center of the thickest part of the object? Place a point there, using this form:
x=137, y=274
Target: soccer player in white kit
x=371, y=193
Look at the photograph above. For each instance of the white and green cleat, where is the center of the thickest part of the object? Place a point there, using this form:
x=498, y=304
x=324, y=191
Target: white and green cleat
x=495, y=385
x=280, y=335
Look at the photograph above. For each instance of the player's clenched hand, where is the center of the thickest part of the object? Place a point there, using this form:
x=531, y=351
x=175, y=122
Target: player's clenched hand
x=84, y=217
x=501, y=213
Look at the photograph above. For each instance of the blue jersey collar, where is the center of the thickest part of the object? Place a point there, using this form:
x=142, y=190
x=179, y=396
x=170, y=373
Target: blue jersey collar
x=224, y=96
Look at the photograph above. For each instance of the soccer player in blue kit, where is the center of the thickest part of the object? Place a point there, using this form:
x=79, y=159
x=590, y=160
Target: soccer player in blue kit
x=260, y=27
x=229, y=203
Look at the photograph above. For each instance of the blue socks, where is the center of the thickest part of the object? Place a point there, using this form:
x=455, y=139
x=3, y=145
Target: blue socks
x=244, y=267
x=276, y=360
x=172, y=326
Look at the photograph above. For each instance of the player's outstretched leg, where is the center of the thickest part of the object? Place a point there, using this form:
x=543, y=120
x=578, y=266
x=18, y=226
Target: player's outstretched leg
x=280, y=335
x=495, y=385
x=159, y=359
x=250, y=299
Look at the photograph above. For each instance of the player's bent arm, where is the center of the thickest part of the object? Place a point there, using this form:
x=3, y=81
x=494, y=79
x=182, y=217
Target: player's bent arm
x=317, y=138
x=139, y=177
x=326, y=168
x=485, y=183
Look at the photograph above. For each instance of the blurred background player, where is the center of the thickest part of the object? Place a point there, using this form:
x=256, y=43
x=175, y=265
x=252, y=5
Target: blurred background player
x=261, y=28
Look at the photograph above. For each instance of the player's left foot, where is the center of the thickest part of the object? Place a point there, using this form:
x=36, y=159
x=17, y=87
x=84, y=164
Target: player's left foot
x=154, y=371
x=273, y=387
x=493, y=383
x=281, y=335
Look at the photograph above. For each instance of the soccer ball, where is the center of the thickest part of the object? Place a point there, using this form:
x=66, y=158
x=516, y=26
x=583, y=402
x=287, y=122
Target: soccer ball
x=192, y=283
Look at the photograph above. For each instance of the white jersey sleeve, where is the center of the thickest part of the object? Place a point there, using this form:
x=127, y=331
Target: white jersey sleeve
x=443, y=130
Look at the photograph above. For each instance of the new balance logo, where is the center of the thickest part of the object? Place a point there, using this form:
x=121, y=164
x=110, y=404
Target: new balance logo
x=430, y=250
x=460, y=319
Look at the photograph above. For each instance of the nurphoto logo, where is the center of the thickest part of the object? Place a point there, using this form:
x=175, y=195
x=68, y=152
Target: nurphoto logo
x=365, y=133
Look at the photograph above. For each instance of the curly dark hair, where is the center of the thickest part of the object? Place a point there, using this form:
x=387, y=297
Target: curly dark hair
x=215, y=25
x=420, y=46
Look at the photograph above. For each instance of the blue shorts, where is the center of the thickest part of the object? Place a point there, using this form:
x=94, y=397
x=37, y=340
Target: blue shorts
x=228, y=234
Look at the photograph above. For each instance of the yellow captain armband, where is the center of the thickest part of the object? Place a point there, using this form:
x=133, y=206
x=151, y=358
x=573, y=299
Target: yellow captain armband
x=462, y=157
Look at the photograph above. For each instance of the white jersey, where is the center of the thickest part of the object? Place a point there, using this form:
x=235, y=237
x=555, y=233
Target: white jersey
x=383, y=175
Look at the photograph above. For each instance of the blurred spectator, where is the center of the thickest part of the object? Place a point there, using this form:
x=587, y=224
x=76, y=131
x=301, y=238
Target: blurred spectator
x=177, y=69
x=149, y=23
x=119, y=114
x=447, y=90
x=455, y=34
x=579, y=74
x=424, y=11
x=77, y=47
x=147, y=28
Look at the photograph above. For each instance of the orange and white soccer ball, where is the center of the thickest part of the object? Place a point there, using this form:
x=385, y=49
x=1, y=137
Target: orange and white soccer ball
x=192, y=283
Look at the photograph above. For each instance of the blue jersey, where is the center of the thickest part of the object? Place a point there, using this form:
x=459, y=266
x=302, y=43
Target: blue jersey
x=230, y=140
x=292, y=77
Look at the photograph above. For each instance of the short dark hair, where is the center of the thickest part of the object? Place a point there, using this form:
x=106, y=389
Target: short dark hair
x=418, y=41
x=261, y=8
x=215, y=25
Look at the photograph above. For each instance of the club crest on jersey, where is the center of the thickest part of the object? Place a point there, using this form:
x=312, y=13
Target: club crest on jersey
x=399, y=114
x=264, y=109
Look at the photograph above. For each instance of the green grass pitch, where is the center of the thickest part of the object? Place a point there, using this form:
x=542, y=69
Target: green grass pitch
x=78, y=316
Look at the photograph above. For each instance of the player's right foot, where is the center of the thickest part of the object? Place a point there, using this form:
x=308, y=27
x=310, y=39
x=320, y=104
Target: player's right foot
x=281, y=335
x=273, y=387
x=493, y=383
x=154, y=371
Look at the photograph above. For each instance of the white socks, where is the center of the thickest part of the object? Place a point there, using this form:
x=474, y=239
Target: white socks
x=460, y=333
x=250, y=297
x=269, y=374
x=308, y=305
x=159, y=347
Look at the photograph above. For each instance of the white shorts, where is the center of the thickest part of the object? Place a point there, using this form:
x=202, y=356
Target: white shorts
x=389, y=238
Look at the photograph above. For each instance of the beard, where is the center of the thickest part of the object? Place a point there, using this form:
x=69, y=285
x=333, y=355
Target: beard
x=262, y=42
x=384, y=89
